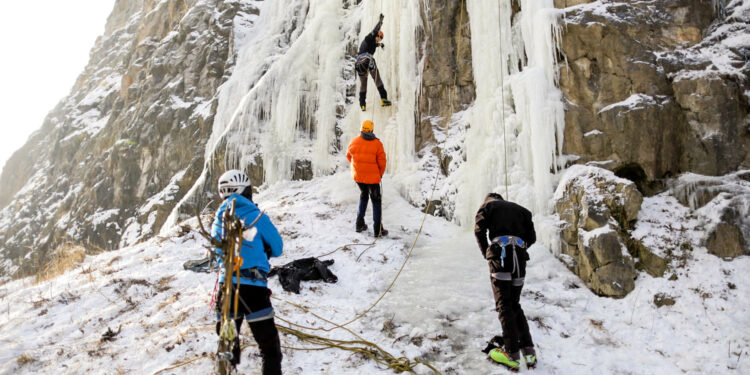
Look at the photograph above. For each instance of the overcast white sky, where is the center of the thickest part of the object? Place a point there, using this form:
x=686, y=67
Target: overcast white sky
x=45, y=46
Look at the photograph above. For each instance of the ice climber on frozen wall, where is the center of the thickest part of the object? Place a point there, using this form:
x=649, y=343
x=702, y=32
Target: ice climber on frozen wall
x=367, y=157
x=366, y=63
x=511, y=232
x=259, y=243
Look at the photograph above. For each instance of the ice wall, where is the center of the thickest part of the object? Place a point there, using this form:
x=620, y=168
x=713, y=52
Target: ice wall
x=283, y=101
x=517, y=119
x=280, y=102
x=287, y=98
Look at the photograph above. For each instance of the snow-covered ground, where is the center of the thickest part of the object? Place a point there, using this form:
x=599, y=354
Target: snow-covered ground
x=440, y=309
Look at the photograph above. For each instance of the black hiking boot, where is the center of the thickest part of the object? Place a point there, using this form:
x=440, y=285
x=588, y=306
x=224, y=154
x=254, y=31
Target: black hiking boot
x=385, y=102
x=383, y=232
x=361, y=228
x=362, y=101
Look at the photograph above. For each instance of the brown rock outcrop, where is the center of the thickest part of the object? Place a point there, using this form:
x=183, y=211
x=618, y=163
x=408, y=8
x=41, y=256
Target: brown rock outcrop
x=597, y=209
x=643, y=96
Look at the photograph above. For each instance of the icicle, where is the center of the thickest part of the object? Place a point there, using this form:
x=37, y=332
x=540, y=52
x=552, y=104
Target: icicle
x=533, y=119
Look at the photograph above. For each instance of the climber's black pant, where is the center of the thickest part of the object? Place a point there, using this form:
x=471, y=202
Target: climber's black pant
x=255, y=298
x=362, y=73
x=507, y=282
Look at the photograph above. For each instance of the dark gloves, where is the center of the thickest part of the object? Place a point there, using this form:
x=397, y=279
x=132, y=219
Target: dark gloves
x=381, y=17
x=382, y=45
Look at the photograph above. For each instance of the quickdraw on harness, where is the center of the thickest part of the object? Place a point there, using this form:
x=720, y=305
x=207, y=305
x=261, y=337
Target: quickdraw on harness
x=365, y=62
x=513, y=242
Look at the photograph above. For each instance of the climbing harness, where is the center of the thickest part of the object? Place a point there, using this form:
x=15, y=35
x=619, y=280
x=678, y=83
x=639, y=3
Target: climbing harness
x=365, y=62
x=505, y=242
x=254, y=274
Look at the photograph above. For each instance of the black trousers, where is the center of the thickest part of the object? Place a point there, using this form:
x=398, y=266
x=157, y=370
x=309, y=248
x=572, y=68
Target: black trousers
x=507, y=294
x=255, y=298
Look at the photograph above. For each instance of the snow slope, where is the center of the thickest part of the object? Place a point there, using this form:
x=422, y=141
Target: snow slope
x=440, y=309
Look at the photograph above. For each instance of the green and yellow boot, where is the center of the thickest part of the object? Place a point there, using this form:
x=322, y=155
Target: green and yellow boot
x=500, y=356
x=363, y=108
x=385, y=102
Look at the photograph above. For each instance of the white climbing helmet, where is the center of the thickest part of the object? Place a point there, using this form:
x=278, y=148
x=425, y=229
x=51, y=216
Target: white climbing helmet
x=232, y=182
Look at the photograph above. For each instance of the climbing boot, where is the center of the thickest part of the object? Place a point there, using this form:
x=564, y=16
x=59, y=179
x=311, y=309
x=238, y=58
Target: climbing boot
x=363, y=108
x=385, y=102
x=529, y=356
x=511, y=362
x=361, y=228
x=383, y=232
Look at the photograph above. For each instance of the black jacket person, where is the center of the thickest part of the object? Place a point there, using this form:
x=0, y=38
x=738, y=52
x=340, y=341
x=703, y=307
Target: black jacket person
x=366, y=63
x=511, y=232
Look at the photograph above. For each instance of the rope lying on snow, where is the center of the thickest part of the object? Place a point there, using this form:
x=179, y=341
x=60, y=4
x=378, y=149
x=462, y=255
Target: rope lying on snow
x=360, y=346
x=363, y=347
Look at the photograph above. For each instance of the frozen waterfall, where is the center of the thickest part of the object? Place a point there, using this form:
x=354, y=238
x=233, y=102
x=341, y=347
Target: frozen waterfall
x=517, y=119
x=286, y=99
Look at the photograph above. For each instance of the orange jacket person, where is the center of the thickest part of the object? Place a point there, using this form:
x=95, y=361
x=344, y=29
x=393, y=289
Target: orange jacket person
x=367, y=157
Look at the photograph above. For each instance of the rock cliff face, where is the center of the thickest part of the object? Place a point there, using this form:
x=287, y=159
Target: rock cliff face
x=447, y=79
x=654, y=89
x=110, y=159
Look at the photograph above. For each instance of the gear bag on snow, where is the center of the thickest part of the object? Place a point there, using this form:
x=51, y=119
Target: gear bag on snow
x=206, y=265
x=306, y=269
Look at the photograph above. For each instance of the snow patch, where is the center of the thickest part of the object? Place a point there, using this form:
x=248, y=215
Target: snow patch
x=102, y=217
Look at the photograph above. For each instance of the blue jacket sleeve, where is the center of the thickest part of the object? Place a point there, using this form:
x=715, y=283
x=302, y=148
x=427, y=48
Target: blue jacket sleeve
x=216, y=227
x=271, y=237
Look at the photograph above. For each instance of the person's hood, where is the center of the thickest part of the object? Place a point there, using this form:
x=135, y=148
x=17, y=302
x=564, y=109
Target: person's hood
x=369, y=136
x=493, y=197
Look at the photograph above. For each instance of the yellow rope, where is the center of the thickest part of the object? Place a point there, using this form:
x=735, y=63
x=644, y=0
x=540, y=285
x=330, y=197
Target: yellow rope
x=377, y=72
x=346, y=246
x=367, y=348
x=178, y=365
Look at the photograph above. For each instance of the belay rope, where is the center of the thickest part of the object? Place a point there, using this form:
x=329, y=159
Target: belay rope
x=377, y=71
